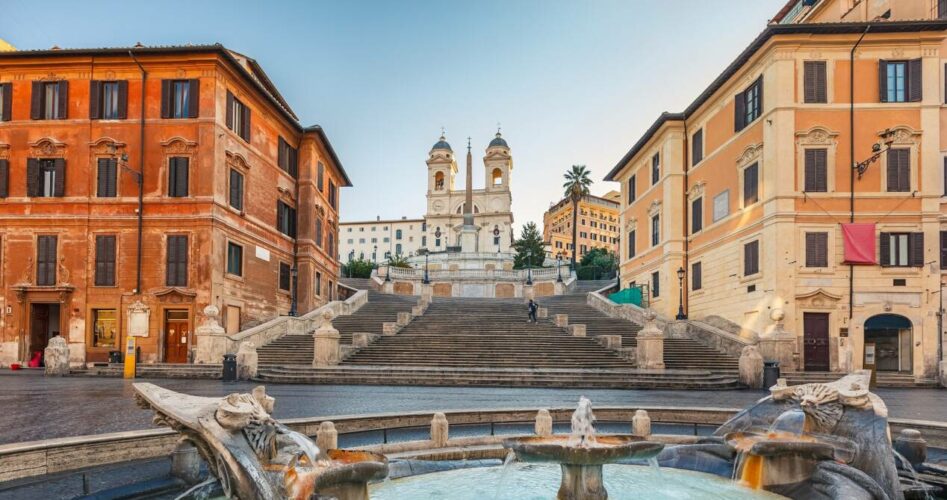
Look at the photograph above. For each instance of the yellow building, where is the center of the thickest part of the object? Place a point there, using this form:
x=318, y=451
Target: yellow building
x=597, y=225
x=746, y=191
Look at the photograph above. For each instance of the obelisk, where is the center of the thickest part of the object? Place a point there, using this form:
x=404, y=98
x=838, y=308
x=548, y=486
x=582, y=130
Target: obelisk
x=468, y=233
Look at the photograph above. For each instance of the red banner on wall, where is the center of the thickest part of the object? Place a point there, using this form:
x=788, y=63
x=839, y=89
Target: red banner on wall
x=859, y=243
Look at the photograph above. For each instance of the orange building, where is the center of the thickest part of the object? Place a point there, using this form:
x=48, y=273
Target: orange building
x=746, y=191
x=597, y=225
x=237, y=205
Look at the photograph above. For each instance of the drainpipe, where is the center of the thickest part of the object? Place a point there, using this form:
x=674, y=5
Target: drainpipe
x=686, y=265
x=294, y=273
x=141, y=170
x=851, y=170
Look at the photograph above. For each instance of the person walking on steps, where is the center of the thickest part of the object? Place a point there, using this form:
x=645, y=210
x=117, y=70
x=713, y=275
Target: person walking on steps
x=532, y=307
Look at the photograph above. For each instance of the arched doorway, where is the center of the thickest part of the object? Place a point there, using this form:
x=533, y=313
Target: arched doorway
x=888, y=337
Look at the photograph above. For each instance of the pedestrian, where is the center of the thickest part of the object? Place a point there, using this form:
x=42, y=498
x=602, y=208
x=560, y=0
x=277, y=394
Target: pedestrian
x=532, y=307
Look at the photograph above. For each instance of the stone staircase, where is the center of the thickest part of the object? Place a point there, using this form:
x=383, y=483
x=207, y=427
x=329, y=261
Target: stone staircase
x=586, y=286
x=154, y=370
x=357, y=283
x=884, y=379
x=679, y=353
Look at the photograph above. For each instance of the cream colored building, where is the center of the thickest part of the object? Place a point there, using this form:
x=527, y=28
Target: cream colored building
x=378, y=239
x=747, y=189
x=491, y=204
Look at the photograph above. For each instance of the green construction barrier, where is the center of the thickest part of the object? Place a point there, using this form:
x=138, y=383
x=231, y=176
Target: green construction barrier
x=632, y=295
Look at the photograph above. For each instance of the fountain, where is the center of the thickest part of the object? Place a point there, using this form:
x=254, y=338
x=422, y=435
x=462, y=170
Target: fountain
x=254, y=456
x=582, y=454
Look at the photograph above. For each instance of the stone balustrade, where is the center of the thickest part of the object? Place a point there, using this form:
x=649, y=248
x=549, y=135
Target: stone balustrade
x=327, y=438
x=577, y=330
x=562, y=320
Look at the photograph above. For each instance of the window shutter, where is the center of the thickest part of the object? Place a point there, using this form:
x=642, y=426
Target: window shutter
x=63, y=100
x=759, y=94
x=914, y=80
x=95, y=99
x=182, y=176
x=36, y=101
x=750, y=185
x=882, y=81
x=182, y=261
x=229, y=110
x=171, y=261
x=697, y=150
x=99, y=260
x=123, y=99
x=4, y=178
x=892, y=173
x=281, y=153
x=112, y=183
x=32, y=177
x=739, y=112
x=101, y=188
x=7, y=101
x=166, y=98
x=194, y=98
x=294, y=162
x=916, y=249
x=245, y=133
x=59, y=167
x=943, y=249
x=172, y=176
x=810, y=250
x=884, y=249
x=904, y=170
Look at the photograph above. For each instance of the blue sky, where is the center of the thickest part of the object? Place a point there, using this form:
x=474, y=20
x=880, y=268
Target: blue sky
x=572, y=82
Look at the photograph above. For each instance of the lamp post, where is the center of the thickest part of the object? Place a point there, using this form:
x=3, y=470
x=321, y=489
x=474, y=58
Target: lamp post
x=559, y=267
x=529, y=267
x=496, y=236
x=680, y=289
x=388, y=268
x=426, y=280
x=294, y=273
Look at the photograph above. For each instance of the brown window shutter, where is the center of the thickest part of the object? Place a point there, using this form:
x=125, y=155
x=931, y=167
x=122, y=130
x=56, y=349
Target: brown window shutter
x=914, y=80
x=166, y=98
x=194, y=98
x=882, y=81
x=36, y=101
x=916, y=249
x=943, y=249
x=759, y=93
x=170, y=261
x=245, y=133
x=63, y=100
x=739, y=112
x=4, y=178
x=123, y=99
x=7, y=102
x=281, y=153
x=810, y=250
x=59, y=167
x=95, y=99
x=884, y=249
x=180, y=166
x=32, y=177
x=182, y=261
x=229, y=112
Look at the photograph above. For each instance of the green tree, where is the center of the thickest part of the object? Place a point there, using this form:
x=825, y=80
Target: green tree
x=529, y=248
x=399, y=261
x=597, y=262
x=358, y=268
x=576, y=186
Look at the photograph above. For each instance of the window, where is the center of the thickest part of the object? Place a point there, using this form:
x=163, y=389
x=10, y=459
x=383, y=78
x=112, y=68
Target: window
x=176, y=267
x=814, y=82
x=236, y=189
x=286, y=219
x=180, y=98
x=50, y=100
x=105, y=260
x=945, y=170
x=696, y=277
x=497, y=177
x=697, y=215
x=655, y=230
x=901, y=249
x=943, y=249
x=104, y=328
x=398, y=249
x=398, y=234
x=331, y=246
x=750, y=185
x=46, y=260
x=238, y=117
x=107, y=178
x=178, y=176
x=333, y=195
x=631, y=244
x=655, y=168
x=816, y=175
x=748, y=105
x=817, y=249
x=4, y=178
x=721, y=205
x=319, y=282
x=697, y=147
x=751, y=258
x=108, y=100
x=6, y=101
x=320, y=174
x=941, y=9
x=439, y=181
x=45, y=178
x=287, y=157
x=899, y=81
x=655, y=284
x=319, y=232
x=899, y=170
x=423, y=241
x=234, y=259
x=284, y=276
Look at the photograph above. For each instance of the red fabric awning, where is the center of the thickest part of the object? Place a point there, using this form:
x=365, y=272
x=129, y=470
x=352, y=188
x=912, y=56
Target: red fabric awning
x=859, y=243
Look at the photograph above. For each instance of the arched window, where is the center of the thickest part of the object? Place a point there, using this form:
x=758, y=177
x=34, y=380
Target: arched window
x=497, y=177
x=439, y=181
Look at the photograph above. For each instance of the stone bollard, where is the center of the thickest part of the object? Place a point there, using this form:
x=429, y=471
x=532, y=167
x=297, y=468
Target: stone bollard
x=56, y=357
x=577, y=330
x=649, y=353
x=417, y=311
x=641, y=424
x=543, y=423
x=542, y=312
x=210, y=338
x=912, y=446
x=247, y=361
x=562, y=320
x=361, y=339
x=389, y=328
x=403, y=319
x=751, y=367
x=609, y=341
x=186, y=463
x=327, y=438
x=439, y=430
x=326, y=343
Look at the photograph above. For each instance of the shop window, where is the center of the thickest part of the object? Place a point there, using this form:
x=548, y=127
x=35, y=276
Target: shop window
x=105, y=328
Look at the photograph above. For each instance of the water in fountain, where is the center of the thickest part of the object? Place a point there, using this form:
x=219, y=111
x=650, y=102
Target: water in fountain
x=790, y=421
x=583, y=434
x=504, y=474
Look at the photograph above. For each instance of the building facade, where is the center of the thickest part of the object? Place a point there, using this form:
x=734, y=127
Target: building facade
x=748, y=192
x=172, y=178
x=492, y=205
x=380, y=239
x=597, y=225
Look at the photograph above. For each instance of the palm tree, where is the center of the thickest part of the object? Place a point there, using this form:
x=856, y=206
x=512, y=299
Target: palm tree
x=576, y=186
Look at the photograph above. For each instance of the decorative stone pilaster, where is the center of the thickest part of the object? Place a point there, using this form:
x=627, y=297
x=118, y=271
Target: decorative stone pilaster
x=210, y=338
x=56, y=357
x=562, y=320
x=439, y=430
x=650, y=349
x=543, y=423
x=327, y=438
x=326, y=342
x=641, y=424
x=751, y=367
x=247, y=361
x=576, y=330
x=776, y=344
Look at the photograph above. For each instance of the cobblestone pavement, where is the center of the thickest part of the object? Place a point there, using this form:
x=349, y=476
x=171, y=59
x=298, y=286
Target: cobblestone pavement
x=35, y=407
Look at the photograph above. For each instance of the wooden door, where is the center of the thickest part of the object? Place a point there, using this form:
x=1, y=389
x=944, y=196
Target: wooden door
x=176, y=334
x=39, y=327
x=816, y=341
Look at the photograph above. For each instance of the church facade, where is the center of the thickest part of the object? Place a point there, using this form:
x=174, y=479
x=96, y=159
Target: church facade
x=492, y=213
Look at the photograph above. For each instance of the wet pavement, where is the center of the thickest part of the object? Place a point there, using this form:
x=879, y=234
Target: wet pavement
x=36, y=407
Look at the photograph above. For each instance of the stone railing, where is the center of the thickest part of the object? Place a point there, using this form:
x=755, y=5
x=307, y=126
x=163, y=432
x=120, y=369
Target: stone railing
x=403, y=273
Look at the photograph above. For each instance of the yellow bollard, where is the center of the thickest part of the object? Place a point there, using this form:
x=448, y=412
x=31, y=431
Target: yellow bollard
x=130, y=357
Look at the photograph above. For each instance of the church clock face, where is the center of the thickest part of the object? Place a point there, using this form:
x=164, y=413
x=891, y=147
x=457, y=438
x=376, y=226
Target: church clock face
x=438, y=206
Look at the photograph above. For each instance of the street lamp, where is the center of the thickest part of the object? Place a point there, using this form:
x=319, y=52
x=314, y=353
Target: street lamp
x=680, y=306
x=426, y=280
x=294, y=274
x=559, y=267
x=529, y=267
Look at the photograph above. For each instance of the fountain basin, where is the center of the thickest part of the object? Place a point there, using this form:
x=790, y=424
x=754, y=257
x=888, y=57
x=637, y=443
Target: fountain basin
x=564, y=450
x=352, y=467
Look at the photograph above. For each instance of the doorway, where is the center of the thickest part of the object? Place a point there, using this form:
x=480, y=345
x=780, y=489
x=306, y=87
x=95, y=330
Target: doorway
x=816, y=341
x=176, y=334
x=890, y=337
x=44, y=325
